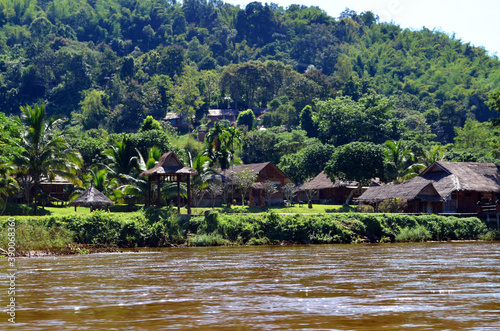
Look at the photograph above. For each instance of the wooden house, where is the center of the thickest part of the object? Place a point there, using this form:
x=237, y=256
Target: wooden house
x=444, y=187
x=216, y=115
x=327, y=192
x=265, y=172
x=177, y=121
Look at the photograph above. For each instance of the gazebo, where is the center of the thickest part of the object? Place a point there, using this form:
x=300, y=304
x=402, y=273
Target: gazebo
x=92, y=198
x=170, y=169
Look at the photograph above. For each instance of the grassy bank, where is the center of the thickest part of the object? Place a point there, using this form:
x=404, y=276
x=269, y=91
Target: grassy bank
x=77, y=233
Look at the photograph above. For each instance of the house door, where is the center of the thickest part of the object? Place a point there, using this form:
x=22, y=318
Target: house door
x=429, y=207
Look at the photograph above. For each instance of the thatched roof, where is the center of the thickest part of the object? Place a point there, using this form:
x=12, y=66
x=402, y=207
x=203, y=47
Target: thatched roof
x=322, y=182
x=445, y=178
x=92, y=197
x=464, y=176
x=256, y=167
x=169, y=164
x=416, y=188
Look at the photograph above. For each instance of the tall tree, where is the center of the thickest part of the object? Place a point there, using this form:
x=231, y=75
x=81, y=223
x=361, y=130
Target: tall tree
x=357, y=161
x=45, y=150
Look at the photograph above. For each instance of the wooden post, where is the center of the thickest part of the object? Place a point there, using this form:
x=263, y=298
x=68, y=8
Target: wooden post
x=178, y=194
x=189, y=194
x=158, y=199
x=149, y=192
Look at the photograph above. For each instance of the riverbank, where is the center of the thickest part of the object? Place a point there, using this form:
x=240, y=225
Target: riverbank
x=101, y=231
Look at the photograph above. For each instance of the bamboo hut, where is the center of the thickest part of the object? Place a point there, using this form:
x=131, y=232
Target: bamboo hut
x=92, y=198
x=444, y=187
x=170, y=169
x=328, y=192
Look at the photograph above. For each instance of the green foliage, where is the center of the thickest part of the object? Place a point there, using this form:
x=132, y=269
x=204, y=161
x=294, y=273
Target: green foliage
x=161, y=227
x=246, y=118
x=306, y=163
x=149, y=124
x=356, y=161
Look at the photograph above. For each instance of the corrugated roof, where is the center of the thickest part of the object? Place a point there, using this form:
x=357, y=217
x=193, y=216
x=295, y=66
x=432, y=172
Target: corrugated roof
x=222, y=112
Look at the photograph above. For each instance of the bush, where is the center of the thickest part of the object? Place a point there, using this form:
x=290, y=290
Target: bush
x=393, y=205
x=418, y=234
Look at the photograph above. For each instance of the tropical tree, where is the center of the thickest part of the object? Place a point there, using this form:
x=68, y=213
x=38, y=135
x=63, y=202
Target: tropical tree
x=234, y=140
x=243, y=181
x=45, y=150
x=397, y=158
x=221, y=144
x=289, y=191
x=200, y=182
x=125, y=163
x=123, y=159
x=270, y=189
x=357, y=161
x=8, y=185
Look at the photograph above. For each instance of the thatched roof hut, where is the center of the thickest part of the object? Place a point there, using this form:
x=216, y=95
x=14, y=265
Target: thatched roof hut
x=169, y=164
x=170, y=169
x=459, y=186
x=92, y=197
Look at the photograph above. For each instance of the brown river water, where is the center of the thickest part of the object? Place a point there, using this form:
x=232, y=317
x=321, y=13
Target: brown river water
x=428, y=286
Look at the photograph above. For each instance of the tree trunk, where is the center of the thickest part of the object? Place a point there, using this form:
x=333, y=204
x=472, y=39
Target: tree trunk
x=36, y=198
x=360, y=186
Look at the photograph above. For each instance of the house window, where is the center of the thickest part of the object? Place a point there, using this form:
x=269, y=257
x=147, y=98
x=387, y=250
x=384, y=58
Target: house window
x=278, y=185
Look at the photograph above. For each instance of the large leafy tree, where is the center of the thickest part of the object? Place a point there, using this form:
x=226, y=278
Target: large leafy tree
x=45, y=150
x=343, y=120
x=357, y=161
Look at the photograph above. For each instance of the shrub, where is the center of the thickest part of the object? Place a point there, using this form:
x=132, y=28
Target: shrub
x=393, y=205
x=417, y=234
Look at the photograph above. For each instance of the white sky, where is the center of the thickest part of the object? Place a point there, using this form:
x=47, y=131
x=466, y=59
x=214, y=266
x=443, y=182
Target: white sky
x=476, y=21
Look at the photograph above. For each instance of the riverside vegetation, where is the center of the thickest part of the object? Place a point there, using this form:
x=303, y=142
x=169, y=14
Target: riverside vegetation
x=153, y=227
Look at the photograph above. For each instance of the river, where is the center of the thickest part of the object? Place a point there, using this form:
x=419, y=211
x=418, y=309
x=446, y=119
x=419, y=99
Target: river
x=427, y=286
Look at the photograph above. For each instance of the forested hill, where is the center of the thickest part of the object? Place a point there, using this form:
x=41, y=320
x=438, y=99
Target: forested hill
x=110, y=63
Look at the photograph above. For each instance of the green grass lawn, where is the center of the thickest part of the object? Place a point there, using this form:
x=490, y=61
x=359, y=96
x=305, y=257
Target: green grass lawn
x=296, y=209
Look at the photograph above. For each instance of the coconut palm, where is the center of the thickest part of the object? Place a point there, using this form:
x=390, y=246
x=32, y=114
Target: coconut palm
x=45, y=150
x=234, y=140
x=201, y=180
x=398, y=157
x=8, y=185
x=216, y=147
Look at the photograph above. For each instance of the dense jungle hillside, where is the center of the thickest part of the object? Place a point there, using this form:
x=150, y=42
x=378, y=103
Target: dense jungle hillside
x=110, y=63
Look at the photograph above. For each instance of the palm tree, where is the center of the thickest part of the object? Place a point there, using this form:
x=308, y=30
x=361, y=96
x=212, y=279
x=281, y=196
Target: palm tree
x=8, y=185
x=205, y=175
x=216, y=147
x=123, y=159
x=234, y=140
x=398, y=157
x=435, y=153
x=125, y=163
x=45, y=151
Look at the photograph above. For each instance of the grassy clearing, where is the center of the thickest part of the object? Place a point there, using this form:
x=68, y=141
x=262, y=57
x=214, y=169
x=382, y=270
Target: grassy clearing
x=295, y=209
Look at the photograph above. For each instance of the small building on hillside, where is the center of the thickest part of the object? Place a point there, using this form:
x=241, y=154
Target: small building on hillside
x=216, y=115
x=266, y=171
x=444, y=187
x=327, y=192
x=177, y=121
